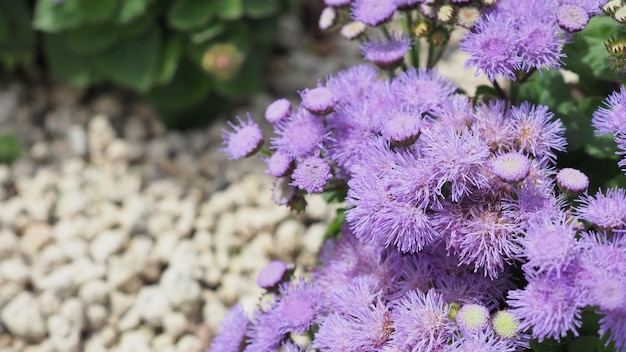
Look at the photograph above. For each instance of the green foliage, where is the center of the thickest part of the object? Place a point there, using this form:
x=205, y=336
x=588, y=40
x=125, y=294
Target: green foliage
x=155, y=48
x=10, y=148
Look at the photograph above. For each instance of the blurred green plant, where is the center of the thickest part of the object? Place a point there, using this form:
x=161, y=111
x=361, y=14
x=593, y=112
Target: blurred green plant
x=178, y=54
x=10, y=148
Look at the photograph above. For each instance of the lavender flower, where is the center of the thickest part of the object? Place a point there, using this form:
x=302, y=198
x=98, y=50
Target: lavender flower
x=612, y=118
x=422, y=88
x=318, y=100
x=373, y=12
x=403, y=127
x=245, y=140
x=301, y=135
x=337, y=3
x=572, y=18
x=278, y=111
x=311, y=174
x=606, y=212
x=351, y=84
x=540, y=45
x=386, y=53
x=279, y=164
x=272, y=274
x=511, y=167
x=492, y=46
x=548, y=306
x=421, y=322
x=572, y=180
x=297, y=307
x=614, y=324
x=536, y=132
x=231, y=336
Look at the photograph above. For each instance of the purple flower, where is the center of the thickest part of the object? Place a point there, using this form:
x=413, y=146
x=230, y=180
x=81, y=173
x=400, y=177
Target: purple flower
x=245, y=140
x=484, y=340
x=301, y=135
x=365, y=328
x=266, y=332
x=455, y=111
x=278, y=110
x=402, y=127
x=319, y=100
x=572, y=18
x=337, y=3
x=612, y=118
x=350, y=84
x=232, y=334
x=492, y=46
x=297, y=307
x=572, y=180
x=540, y=45
x=421, y=322
x=272, y=274
x=361, y=291
x=549, y=247
x=548, y=306
x=291, y=347
x=279, y=164
x=386, y=53
x=422, y=88
x=606, y=212
x=458, y=159
x=311, y=174
x=614, y=324
x=492, y=124
x=373, y=12
x=537, y=132
x=511, y=167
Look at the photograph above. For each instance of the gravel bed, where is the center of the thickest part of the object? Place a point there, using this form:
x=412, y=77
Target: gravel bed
x=116, y=235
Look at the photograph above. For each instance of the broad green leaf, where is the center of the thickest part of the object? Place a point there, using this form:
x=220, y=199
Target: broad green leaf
x=17, y=38
x=230, y=9
x=66, y=65
x=547, y=88
x=586, y=55
x=98, y=11
x=261, y=8
x=190, y=14
x=207, y=34
x=486, y=90
x=140, y=26
x=189, y=86
x=132, y=63
x=52, y=17
x=602, y=147
x=247, y=81
x=10, y=148
x=334, y=228
x=131, y=9
x=91, y=39
x=170, y=57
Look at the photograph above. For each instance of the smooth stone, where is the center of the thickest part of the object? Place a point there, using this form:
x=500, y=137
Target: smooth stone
x=175, y=324
x=23, y=318
x=95, y=291
x=106, y=244
x=152, y=305
x=64, y=335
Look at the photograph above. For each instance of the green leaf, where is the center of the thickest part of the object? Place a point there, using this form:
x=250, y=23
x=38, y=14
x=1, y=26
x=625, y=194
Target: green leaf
x=189, y=86
x=486, y=90
x=132, y=63
x=131, y=9
x=261, y=8
x=247, y=81
x=66, y=65
x=586, y=55
x=547, y=88
x=207, y=34
x=190, y=14
x=10, y=148
x=98, y=11
x=230, y=9
x=170, y=58
x=334, y=228
x=91, y=39
x=17, y=38
x=602, y=147
x=52, y=17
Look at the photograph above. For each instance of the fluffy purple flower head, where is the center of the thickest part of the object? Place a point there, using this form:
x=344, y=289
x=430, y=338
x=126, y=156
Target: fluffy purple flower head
x=365, y=328
x=278, y=110
x=373, y=12
x=403, y=127
x=265, y=333
x=279, y=164
x=606, y=212
x=386, y=53
x=298, y=306
x=572, y=180
x=231, y=337
x=548, y=306
x=492, y=123
x=289, y=346
x=484, y=340
x=362, y=291
x=301, y=135
x=272, y=274
x=540, y=45
x=244, y=140
x=613, y=324
x=422, y=88
x=612, y=118
x=492, y=46
x=472, y=317
x=337, y=3
x=319, y=100
x=407, y=4
x=572, y=18
x=311, y=174
x=351, y=84
x=511, y=167
x=537, y=132
x=421, y=322
x=549, y=247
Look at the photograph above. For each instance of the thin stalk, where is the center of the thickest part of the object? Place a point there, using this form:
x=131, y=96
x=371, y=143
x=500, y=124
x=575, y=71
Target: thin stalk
x=500, y=91
x=415, y=48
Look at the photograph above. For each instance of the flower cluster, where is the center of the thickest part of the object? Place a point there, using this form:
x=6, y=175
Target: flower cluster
x=461, y=231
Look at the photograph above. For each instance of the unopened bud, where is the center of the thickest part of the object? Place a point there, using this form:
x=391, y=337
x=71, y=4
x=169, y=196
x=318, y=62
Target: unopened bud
x=352, y=30
x=611, y=6
x=620, y=15
x=421, y=29
x=327, y=18
x=489, y=2
x=467, y=16
x=445, y=13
